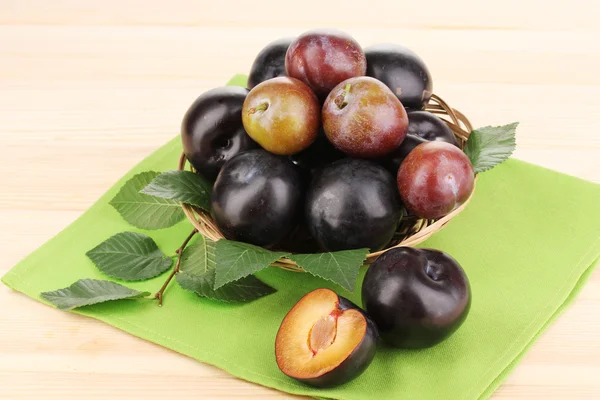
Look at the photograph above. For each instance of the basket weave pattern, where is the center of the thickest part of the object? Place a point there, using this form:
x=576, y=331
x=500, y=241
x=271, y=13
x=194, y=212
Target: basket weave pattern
x=410, y=235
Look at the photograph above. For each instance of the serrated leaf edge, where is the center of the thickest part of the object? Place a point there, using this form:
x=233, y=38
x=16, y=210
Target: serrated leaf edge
x=350, y=285
x=478, y=169
x=226, y=300
x=276, y=256
x=135, y=295
x=156, y=203
x=191, y=189
x=163, y=257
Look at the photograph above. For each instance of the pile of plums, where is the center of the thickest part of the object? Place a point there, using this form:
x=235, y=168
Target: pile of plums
x=329, y=148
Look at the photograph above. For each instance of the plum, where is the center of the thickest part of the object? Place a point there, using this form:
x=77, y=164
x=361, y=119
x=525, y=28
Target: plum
x=269, y=63
x=352, y=204
x=325, y=340
x=416, y=297
x=363, y=118
x=402, y=71
x=423, y=126
x=435, y=179
x=299, y=241
x=257, y=198
x=283, y=115
x=324, y=58
x=318, y=154
x=212, y=130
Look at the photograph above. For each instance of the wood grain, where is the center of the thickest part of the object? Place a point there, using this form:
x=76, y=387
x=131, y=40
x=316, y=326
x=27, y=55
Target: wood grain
x=87, y=89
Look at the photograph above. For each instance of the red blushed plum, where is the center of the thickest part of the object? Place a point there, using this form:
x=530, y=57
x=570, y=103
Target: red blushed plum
x=363, y=118
x=434, y=179
x=324, y=58
x=325, y=340
x=423, y=126
x=282, y=115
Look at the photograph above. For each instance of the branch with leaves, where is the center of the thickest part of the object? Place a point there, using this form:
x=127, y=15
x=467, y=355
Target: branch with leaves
x=179, y=252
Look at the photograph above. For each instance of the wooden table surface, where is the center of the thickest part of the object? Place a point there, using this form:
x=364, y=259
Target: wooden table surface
x=88, y=88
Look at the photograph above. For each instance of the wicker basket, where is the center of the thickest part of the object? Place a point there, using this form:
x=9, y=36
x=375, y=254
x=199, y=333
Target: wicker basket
x=410, y=235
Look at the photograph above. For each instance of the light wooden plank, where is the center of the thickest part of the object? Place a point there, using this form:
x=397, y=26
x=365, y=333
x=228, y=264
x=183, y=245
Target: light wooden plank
x=87, y=89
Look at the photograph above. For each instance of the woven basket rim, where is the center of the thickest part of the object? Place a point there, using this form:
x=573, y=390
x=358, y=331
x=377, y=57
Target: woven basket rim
x=456, y=121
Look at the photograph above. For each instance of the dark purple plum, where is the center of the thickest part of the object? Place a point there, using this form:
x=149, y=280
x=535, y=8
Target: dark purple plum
x=429, y=127
x=257, y=198
x=299, y=241
x=402, y=71
x=212, y=130
x=352, y=204
x=417, y=297
x=318, y=154
x=270, y=62
x=325, y=340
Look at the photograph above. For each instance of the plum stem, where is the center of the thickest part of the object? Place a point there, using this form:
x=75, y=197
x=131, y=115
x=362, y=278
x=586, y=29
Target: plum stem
x=342, y=100
x=261, y=107
x=179, y=253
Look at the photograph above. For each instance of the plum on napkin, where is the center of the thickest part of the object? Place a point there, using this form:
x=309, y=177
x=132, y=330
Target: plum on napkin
x=528, y=240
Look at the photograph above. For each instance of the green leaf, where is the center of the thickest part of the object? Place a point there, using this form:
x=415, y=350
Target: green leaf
x=340, y=267
x=144, y=211
x=243, y=290
x=236, y=260
x=490, y=146
x=197, y=274
x=199, y=258
x=129, y=256
x=85, y=292
x=238, y=80
x=182, y=186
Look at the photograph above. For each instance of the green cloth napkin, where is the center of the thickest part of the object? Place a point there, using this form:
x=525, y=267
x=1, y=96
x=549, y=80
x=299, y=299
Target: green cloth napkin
x=528, y=241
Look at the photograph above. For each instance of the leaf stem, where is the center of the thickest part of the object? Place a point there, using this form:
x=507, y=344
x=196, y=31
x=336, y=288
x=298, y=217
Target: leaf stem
x=179, y=252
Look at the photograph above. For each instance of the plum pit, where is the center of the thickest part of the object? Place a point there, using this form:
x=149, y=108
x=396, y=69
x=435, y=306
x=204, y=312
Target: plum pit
x=323, y=333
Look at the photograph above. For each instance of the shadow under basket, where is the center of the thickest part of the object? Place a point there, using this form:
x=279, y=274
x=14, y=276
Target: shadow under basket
x=411, y=231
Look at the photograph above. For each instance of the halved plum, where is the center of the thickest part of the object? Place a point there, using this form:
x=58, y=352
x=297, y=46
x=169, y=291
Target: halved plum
x=325, y=340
